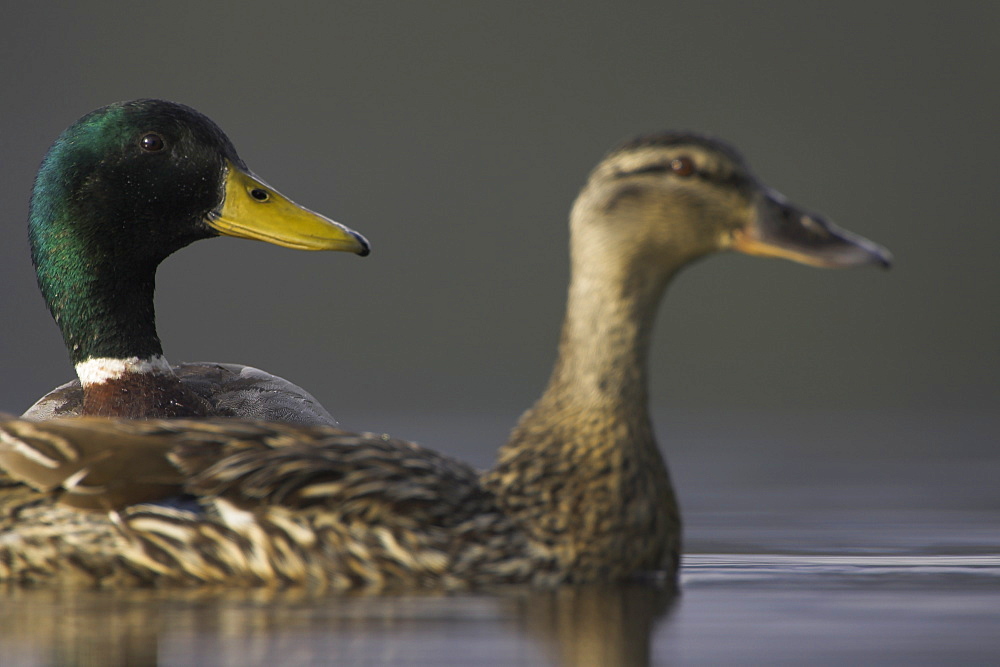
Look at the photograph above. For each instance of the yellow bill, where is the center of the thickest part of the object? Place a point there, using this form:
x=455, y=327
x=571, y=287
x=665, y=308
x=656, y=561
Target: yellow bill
x=252, y=209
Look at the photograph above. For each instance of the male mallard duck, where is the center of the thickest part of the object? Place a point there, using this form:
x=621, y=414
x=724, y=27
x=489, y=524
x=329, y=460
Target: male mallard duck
x=580, y=492
x=120, y=190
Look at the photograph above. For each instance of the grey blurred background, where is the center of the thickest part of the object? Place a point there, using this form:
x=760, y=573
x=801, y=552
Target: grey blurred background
x=455, y=135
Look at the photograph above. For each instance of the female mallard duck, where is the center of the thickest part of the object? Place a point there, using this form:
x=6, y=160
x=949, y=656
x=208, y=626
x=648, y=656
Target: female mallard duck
x=120, y=190
x=580, y=492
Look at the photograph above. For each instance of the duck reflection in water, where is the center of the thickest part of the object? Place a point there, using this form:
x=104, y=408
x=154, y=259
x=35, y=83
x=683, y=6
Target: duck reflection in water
x=608, y=625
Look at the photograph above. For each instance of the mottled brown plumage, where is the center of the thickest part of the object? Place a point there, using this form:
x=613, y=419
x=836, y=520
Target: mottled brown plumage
x=280, y=505
x=580, y=493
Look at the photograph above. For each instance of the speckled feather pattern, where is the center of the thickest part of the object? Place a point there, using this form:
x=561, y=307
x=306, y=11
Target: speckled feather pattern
x=283, y=506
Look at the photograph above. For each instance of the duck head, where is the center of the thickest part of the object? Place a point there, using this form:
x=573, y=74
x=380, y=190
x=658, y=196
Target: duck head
x=129, y=184
x=682, y=196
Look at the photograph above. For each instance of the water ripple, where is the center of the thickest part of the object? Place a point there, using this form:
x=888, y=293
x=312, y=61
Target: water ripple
x=733, y=568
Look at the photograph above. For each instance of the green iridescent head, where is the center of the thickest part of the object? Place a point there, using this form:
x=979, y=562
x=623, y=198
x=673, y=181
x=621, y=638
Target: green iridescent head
x=124, y=187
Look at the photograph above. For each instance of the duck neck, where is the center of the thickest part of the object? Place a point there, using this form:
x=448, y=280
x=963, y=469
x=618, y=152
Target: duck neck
x=582, y=472
x=102, y=299
x=604, y=345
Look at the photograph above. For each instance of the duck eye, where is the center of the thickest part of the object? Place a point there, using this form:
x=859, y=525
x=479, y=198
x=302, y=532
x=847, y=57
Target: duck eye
x=152, y=142
x=682, y=166
x=259, y=195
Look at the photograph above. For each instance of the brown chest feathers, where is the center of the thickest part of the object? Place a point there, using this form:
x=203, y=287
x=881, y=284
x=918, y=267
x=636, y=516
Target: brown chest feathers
x=143, y=396
x=594, y=490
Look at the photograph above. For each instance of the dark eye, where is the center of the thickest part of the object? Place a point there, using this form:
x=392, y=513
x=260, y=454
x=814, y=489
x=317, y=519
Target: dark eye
x=259, y=195
x=152, y=142
x=682, y=166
